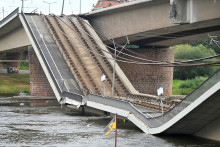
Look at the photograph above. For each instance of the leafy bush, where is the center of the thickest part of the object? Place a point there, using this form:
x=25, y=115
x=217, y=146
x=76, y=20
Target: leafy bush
x=184, y=87
x=193, y=83
x=24, y=66
x=186, y=51
x=207, y=44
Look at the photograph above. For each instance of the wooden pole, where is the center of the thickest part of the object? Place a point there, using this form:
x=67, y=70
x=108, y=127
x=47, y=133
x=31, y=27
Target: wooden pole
x=116, y=130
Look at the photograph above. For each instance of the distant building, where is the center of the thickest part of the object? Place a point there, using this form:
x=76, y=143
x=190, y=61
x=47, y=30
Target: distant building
x=108, y=3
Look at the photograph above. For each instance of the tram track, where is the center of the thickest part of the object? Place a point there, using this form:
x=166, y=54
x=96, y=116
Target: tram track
x=72, y=38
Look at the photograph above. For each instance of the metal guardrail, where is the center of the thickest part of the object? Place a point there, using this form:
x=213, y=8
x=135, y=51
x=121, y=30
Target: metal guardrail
x=210, y=82
x=124, y=105
x=70, y=95
x=74, y=96
x=16, y=11
x=41, y=52
x=154, y=122
x=57, y=43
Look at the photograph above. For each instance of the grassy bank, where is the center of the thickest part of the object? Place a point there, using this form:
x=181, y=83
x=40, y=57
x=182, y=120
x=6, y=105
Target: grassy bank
x=14, y=83
x=185, y=87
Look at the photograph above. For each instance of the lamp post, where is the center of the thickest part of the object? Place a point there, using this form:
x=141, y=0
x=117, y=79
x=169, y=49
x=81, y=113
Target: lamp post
x=3, y=11
x=103, y=78
x=62, y=8
x=49, y=4
x=160, y=93
x=80, y=5
x=22, y=6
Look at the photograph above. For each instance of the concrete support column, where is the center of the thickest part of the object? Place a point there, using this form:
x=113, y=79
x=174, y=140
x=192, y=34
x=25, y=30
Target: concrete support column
x=1, y=65
x=39, y=85
x=148, y=78
x=13, y=67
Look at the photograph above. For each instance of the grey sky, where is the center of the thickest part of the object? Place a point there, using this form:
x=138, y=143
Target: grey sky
x=71, y=6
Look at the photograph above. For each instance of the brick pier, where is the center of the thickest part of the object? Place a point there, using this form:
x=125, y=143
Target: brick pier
x=39, y=85
x=148, y=78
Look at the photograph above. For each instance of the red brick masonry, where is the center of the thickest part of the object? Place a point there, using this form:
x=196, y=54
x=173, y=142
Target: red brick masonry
x=39, y=85
x=148, y=78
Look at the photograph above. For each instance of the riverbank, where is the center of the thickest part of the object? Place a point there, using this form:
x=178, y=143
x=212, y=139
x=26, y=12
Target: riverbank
x=14, y=83
x=28, y=101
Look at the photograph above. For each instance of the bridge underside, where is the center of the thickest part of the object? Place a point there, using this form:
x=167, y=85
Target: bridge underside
x=147, y=23
x=200, y=118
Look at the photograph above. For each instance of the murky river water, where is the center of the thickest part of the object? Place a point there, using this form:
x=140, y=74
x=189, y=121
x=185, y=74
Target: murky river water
x=51, y=126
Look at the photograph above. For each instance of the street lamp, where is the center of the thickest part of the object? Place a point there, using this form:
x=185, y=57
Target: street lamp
x=49, y=4
x=103, y=78
x=62, y=8
x=22, y=6
x=80, y=6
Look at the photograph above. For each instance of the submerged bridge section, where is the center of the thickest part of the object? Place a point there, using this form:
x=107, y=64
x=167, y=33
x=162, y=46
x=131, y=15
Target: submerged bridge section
x=59, y=54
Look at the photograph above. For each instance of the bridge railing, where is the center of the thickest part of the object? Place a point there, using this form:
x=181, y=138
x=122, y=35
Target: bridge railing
x=210, y=82
x=121, y=104
x=42, y=54
x=14, y=13
x=62, y=92
x=61, y=51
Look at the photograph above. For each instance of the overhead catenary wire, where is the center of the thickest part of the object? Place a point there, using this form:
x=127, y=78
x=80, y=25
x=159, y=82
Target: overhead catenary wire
x=112, y=48
x=129, y=62
x=135, y=62
x=193, y=60
x=100, y=54
x=96, y=52
x=192, y=65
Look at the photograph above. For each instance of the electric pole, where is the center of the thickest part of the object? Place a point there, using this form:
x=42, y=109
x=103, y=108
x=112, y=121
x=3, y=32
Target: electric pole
x=49, y=4
x=3, y=12
x=80, y=5
x=22, y=6
x=62, y=8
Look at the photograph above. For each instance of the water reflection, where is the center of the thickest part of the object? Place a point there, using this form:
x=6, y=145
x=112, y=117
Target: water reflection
x=51, y=126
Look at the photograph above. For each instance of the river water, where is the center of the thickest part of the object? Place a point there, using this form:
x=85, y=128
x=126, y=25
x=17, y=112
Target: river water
x=50, y=126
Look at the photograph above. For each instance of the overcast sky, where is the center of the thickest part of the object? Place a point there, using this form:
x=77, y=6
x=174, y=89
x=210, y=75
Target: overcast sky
x=71, y=6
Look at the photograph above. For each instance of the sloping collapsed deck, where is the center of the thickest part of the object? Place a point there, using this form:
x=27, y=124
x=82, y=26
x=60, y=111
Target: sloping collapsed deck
x=67, y=50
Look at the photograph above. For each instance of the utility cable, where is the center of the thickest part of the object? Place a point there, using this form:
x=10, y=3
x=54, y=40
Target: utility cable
x=188, y=61
x=129, y=62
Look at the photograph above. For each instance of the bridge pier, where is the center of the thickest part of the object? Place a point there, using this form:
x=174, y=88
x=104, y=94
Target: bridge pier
x=39, y=85
x=13, y=67
x=148, y=78
x=1, y=65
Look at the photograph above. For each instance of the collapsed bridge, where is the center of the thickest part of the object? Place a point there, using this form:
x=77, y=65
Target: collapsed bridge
x=73, y=59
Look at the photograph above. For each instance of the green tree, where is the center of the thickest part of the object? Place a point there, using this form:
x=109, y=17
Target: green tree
x=207, y=44
x=187, y=51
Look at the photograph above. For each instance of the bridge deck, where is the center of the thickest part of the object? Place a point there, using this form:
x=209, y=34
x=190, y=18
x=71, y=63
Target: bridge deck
x=52, y=55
